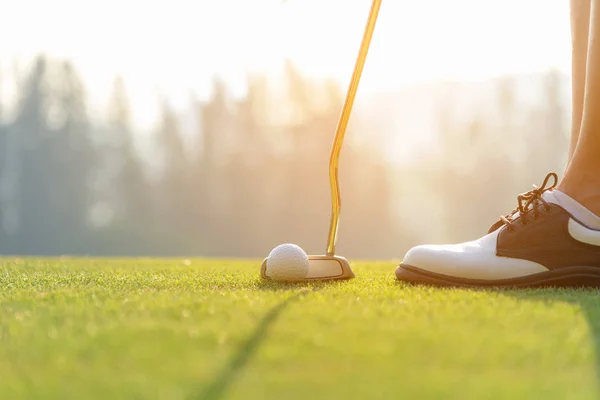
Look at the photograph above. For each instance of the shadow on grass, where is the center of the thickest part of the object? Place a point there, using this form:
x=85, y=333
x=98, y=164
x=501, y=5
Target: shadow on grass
x=587, y=300
x=227, y=376
x=268, y=285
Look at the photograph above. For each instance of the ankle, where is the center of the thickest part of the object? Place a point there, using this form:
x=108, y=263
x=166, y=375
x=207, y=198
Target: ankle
x=583, y=188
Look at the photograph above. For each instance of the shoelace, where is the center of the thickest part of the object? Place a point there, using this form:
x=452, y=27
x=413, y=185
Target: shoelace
x=528, y=201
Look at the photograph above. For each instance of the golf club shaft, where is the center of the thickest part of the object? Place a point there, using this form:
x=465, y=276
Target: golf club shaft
x=343, y=123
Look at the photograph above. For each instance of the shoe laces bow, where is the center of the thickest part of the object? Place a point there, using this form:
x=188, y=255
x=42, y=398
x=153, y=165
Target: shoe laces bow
x=526, y=202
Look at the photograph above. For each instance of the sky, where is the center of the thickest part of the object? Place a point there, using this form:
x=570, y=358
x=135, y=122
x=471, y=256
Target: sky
x=175, y=47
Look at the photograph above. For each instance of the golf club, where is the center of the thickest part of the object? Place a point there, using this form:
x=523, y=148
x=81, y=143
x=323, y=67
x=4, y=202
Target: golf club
x=330, y=266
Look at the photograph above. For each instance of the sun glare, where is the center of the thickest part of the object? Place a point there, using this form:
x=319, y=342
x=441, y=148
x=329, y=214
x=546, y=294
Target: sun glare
x=175, y=47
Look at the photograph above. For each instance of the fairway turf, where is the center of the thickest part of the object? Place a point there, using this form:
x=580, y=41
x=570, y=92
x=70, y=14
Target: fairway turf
x=199, y=329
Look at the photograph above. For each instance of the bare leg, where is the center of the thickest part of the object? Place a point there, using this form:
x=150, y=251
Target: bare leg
x=580, y=27
x=582, y=177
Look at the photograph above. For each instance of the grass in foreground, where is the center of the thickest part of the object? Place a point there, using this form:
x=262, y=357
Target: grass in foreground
x=158, y=329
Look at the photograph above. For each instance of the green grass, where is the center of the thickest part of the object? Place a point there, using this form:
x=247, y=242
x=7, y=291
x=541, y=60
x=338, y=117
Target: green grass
x=167, y=329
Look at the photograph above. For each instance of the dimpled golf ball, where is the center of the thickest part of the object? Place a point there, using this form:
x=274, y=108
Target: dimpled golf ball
x=287, y=262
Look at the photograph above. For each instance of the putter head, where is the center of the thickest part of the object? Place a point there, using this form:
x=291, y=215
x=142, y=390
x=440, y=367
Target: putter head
x=321, y=268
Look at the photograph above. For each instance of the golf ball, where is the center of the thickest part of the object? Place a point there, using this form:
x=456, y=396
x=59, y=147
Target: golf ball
x=287, y=262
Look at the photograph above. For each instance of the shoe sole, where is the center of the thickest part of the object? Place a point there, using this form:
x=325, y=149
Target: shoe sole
x=561, y=277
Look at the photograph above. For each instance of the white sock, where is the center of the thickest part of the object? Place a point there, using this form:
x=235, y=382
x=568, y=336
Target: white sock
x=573, y=207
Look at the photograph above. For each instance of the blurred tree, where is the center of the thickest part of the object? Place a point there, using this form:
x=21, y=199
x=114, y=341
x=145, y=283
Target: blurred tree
x=303, y=207
x=335, y=96
x=253, y=116
x=547, y=139
x=175, y=188
x=216, y=141
x=368, y=225
x=248, y=172
x=507, y=102
x=1, y=97
x=48, y=158
x=4, y=191
x=73, y=157
x=128, y=187
x=28, y=171
x=300, y=95
x=473, y=179
x=503, y=150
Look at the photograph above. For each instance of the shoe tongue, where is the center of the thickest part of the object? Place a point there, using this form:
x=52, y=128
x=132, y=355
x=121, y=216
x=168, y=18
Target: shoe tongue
x=550, y=197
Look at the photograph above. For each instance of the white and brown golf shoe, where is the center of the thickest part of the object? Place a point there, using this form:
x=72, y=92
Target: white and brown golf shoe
x=538, y=244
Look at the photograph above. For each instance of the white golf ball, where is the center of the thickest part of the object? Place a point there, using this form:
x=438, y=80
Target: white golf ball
x=287, y=262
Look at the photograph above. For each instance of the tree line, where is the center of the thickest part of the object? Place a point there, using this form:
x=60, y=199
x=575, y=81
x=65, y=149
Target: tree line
x=254, y=174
